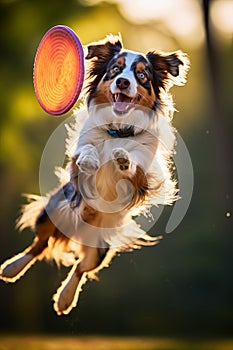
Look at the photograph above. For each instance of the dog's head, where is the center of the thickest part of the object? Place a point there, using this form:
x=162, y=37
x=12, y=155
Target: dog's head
x=128, y=79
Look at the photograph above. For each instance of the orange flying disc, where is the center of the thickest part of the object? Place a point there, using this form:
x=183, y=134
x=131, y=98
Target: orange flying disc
x=58, y=70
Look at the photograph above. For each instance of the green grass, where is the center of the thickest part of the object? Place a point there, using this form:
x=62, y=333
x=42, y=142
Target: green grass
x=108, y=343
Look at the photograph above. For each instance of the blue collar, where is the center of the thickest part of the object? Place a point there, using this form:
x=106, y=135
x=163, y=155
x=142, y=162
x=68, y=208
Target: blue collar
x=126, y=132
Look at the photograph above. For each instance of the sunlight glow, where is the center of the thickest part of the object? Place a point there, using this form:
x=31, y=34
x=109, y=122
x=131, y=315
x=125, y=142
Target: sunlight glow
x=180, y=18
x=222, y=16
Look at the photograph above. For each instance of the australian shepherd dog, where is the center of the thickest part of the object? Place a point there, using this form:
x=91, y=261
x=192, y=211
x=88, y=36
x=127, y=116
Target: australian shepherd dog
x=119, y=151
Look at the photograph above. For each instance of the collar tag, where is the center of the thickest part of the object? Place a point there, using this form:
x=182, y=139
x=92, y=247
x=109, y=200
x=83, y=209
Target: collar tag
x=127, y=132
x=113, y=133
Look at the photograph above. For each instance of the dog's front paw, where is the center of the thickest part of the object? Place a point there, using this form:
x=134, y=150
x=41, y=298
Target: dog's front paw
x=122, y=159
x=88, y=164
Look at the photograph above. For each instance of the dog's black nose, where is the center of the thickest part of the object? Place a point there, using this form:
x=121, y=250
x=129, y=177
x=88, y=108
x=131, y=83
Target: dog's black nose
x=122, y=83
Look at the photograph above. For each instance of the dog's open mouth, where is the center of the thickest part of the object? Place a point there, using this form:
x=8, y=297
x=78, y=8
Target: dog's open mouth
x=122, y=103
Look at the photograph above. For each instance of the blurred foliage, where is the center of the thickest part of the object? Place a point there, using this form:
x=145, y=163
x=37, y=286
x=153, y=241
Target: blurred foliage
x=184, y=285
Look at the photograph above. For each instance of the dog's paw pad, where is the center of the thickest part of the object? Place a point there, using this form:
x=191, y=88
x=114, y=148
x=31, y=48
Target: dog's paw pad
x=88, y=164
x=121, y=157
x=123, y=163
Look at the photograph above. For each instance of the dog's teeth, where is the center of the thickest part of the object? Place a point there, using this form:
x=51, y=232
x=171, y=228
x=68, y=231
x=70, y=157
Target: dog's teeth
x=117, y=95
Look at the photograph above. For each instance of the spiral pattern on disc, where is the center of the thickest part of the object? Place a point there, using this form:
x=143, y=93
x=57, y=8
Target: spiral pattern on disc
x=58, y=70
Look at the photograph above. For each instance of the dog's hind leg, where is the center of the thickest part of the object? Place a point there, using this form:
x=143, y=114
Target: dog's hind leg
x=67, y=294
x=12, y=269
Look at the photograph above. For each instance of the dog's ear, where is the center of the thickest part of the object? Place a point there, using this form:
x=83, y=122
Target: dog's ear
x=104, y=50
x=169, y=68
x=99, y=54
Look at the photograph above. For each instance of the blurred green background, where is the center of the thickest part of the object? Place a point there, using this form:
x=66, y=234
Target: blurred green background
x=184, y=286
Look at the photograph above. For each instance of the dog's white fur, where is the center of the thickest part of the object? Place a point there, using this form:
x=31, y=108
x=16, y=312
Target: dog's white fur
x=150, y=148
x=128, y=74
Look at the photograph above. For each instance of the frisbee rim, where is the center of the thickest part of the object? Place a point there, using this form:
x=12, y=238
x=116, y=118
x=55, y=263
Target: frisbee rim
x=80, y=80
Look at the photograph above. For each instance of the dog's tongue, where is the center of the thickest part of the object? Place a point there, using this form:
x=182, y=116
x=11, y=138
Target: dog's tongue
x=121, y=103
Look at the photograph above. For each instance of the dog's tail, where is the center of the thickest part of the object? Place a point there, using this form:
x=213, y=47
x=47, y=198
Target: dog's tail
x=49, y=241
x=12, y=269
x=31, y=211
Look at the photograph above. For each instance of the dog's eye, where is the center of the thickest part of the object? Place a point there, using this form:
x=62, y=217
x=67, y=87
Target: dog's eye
x=116, y=69
x=141, y=75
